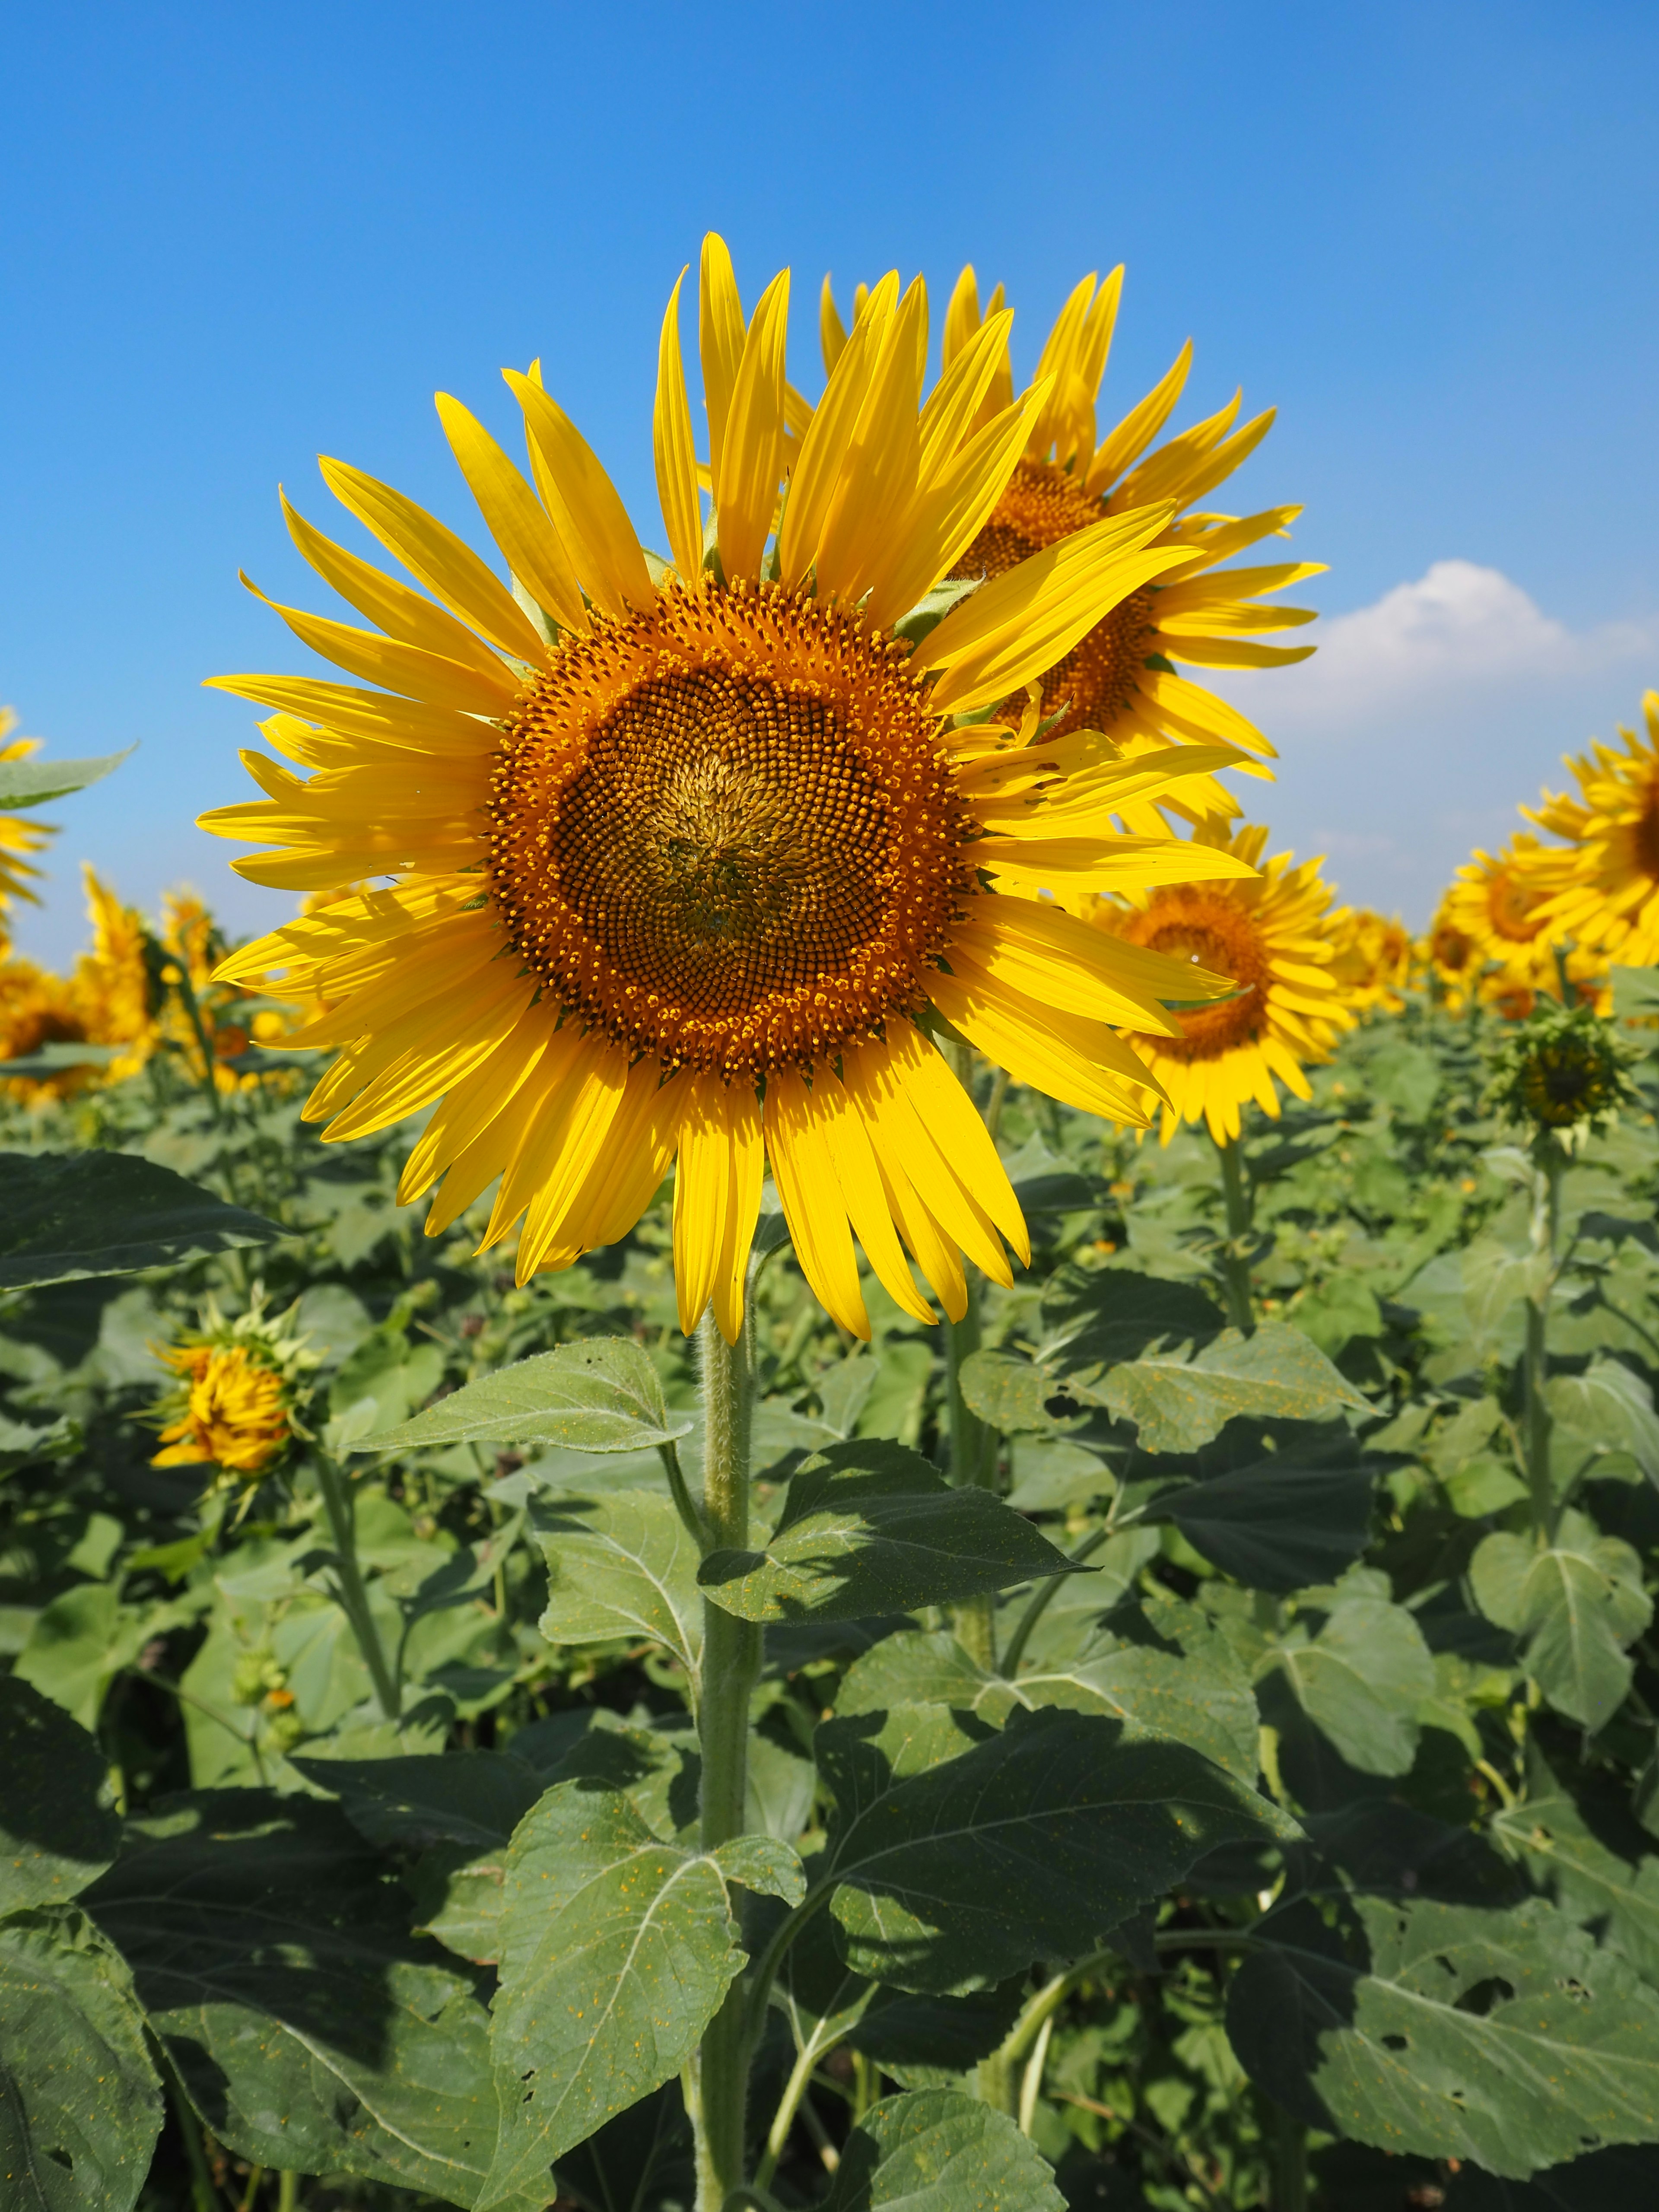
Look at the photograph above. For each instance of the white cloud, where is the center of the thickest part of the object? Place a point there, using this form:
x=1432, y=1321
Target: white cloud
x=1459, y=625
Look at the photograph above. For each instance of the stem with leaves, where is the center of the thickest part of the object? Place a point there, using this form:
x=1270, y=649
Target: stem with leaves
x=350, y=1588
x=730, y=1667
x=1547, y=1238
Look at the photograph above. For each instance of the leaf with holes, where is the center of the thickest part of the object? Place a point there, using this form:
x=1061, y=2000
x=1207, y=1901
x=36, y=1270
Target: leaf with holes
x=1506, y=2038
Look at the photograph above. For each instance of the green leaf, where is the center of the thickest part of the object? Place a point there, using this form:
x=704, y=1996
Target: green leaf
x=617, y=1949
x=270, y=1951
x=79, y=1644
x=472, y=1797
x=1007, y=1391
x=54, y=1059
x=1606, y=1410
x=57, y=1830
x=1408, y=1076
x=1272, y=1526
x=80, y=2103
x=1096, y=1321
x=38, y=782
x=1361, y=1679
x=69, y=1214
x=621, y=1566
x=1577, y=1603
x=1635, y=993
x=1548, y=1832
x=1506, y=2038
x=869, y=1529
x=1191, y=1689
x=639, y=2163
x=960, y=1862
x=599, y=1394
x=1179, y=1403
x=937, y=2150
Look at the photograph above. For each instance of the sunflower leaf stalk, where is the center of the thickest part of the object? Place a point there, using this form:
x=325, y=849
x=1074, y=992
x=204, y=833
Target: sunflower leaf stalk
x=351, y=1590
x=730, y=1667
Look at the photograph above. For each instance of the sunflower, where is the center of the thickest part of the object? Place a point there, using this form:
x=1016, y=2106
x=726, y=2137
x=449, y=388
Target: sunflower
x=18, y=838
x=1120, y=677
x=1601, y=889
x=1271, y=934
x=37, y=1008
x=1374, y=960
x=1495, y=904
x=236, y=1403
x=689, y=859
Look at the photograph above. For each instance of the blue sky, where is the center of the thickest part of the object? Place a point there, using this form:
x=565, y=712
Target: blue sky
x=233, y=239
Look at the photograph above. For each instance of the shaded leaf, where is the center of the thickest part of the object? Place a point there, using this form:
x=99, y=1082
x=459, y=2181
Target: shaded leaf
x=473, y=1798
x=1578, y=1603
x=861, y=1534
x=1097, y=1320
x=69, y=1214
x=599, y=1394
x=957, y=1866
x=57, y=1830
x=1505, y=2038
x=621, y=1566
x=80, y=2103
x=1275, y=1527
x=1361, y=1679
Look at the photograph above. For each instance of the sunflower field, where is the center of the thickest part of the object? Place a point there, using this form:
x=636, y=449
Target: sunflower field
x=822, y=1453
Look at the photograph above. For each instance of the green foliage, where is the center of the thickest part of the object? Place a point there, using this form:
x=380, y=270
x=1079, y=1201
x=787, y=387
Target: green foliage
x=1303, y=1798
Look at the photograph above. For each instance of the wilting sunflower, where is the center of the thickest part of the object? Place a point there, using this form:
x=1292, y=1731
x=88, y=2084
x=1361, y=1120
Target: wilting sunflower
x=689, y=858
x=19, y=836
x=1271, y=934
x=1121, y=677
x=1374, y=959
x=1601, y=889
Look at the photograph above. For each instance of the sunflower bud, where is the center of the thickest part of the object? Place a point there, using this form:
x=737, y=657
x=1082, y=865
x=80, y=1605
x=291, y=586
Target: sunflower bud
x=1561, y=1073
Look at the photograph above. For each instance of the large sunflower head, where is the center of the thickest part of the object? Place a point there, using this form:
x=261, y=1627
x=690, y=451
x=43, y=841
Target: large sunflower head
x=1122, y=676
x=688, y=857
x=1271, y=935
x=1601, y=889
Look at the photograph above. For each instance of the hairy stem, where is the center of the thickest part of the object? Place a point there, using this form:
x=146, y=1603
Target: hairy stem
x=1547, y=1236
x=350, y=1588
x=1234, y=1266
x=731, y=1665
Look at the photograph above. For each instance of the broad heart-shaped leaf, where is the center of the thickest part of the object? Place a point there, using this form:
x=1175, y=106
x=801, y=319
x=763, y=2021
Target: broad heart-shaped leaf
x=618, y=1948
x=937, y=2150
x=1160, y=1666
x=1362, y=1677
x=1620, y=1895
x=1275, y=1527
x=67, y=1214
x=80, y=2103
x=56, y=1832
x=1606, y=1412
x=1506, y=2038
x=270, y=1951
x=620, y=1566
x=1577, y=1603
x=642, y=2161
x=38, y=782
x=1008, y=1392
x=960, y=1862
x=868, y=1528
x=1178, y=1403
x=1096, y=1321
x=599, y=1394
x=472, y=1797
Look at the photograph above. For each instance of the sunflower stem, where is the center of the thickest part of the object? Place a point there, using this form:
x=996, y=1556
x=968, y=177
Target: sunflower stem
x=1547, y=1236
x=730, y=1667
x=349, y=1586
x=1235, y=1265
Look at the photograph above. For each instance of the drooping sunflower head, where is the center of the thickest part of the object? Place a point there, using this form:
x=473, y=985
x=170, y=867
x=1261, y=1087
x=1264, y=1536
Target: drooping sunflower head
x=686, y=857
x=1600, y=888
x=1121, y=677
x=1272, y=936
x=1560, y=1071
x=237, y=1403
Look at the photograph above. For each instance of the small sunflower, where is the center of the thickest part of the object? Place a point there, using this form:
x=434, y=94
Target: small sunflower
x=1271, y=934
x=1375, y=959
x=1121, y=677
x=689, y=858
x=1561, y=1071
x=1602, y=888
x=1497, y=904
x=18, y=836
x=37, y=1008
x=241, y=1384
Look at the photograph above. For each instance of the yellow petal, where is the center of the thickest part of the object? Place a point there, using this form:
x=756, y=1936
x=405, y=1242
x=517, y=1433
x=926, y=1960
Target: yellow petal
x=1078, y=1061
x=515, y=518
x=417, y=727
x=1139, y=427
x=436, y=558
x=677, y=458
x=406, y=668
x=832, y=334
x=803, y=1167
x=588, y=1123
x=720, y=330
x=1048, y=954
x=746, y=473
x=1031, y=865
x=856, y=1171
x=716, y=1200
x=816, y=480
x=403, y=614
x=879, y=477
x=962, y=317
x=586, y=509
